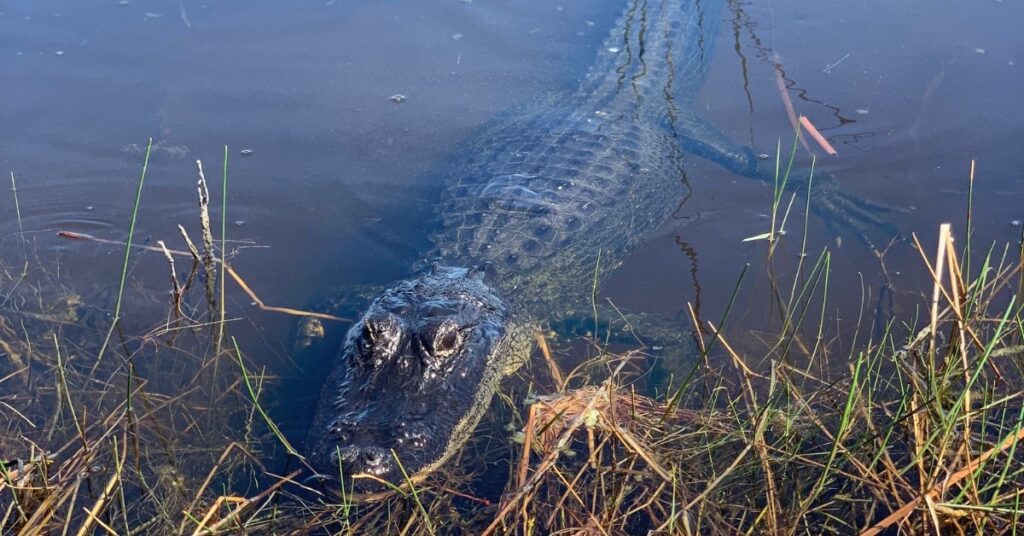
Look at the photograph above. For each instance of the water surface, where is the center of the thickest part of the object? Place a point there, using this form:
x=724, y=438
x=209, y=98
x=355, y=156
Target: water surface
x=330, y=179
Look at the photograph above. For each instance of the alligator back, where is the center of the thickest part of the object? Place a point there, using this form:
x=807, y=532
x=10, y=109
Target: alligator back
x=551, y=197
x=557, y=197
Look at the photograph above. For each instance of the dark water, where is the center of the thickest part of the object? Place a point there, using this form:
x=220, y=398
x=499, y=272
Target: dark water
x=336, y=190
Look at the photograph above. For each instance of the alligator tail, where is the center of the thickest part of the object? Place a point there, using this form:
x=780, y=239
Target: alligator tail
x=657, y=52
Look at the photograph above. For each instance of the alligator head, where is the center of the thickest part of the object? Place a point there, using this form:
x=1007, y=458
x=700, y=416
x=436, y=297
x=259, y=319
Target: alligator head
x=415, y=374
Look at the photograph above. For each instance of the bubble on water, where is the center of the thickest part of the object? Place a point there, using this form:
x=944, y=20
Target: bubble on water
x=613, y=50
x=863, y=111
x=397, y=98
x=245, y=152
x=1015, y=223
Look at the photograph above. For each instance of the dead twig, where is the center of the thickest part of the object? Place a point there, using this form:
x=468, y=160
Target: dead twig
x=813, y=131
x=204, y=223
x=230, y=271
x=175, y=287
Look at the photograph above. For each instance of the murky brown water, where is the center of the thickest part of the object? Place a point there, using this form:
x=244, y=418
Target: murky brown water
x=334, y=190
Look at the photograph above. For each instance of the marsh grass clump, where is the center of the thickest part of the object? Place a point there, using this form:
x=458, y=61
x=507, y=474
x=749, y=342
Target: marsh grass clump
x=605, y=459
x=120, y=414
x=116, y=445
x=915, y=432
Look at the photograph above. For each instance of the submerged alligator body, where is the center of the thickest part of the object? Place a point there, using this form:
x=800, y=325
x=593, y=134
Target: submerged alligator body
x=533, y=205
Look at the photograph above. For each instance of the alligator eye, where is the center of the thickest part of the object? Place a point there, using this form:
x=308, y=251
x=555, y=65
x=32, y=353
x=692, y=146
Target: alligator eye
x=445, y=339
x=342, y=435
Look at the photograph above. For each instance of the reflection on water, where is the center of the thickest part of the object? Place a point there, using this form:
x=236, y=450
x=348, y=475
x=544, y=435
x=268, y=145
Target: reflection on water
x=328, y=173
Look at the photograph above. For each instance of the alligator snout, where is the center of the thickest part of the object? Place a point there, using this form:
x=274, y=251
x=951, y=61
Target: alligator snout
x=366, y=460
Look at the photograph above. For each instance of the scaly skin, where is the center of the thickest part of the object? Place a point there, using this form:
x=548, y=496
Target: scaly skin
x=542, y=202
x=540, y=196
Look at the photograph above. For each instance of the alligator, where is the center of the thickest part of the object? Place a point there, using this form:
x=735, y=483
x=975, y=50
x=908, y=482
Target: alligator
x=538, y=206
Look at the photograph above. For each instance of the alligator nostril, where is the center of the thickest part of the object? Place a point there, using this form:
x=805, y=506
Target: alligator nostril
x=373, y=458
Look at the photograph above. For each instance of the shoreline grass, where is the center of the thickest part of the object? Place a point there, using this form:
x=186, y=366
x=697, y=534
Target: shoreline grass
x=915, y=430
